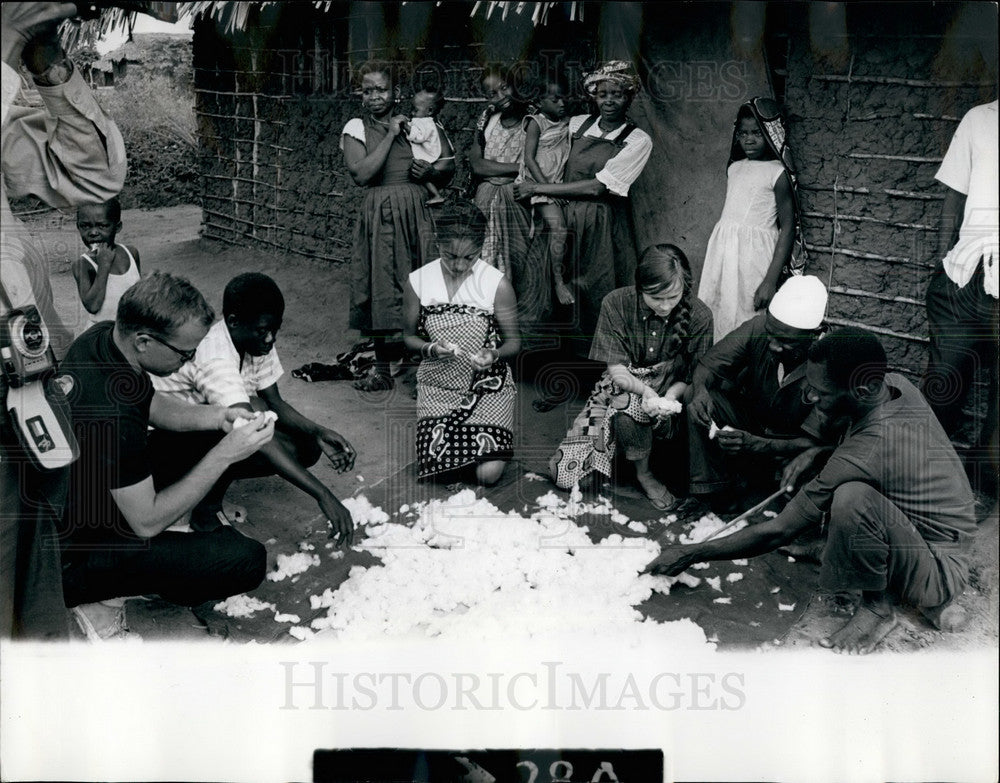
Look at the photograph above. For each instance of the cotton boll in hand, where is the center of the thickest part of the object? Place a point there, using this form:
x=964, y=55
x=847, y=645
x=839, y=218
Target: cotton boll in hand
x=260, y=418
x=661, y=406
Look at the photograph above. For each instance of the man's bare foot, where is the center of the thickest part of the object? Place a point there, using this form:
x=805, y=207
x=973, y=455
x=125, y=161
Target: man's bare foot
x=949, y=617
x=564, y=294
x=863, y=632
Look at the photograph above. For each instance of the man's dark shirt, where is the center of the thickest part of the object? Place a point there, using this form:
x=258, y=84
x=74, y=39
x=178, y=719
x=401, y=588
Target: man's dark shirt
x=110, y=402
x=743, y=359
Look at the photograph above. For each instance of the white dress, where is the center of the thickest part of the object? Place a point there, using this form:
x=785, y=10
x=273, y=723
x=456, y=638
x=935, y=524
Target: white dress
x=742, y=245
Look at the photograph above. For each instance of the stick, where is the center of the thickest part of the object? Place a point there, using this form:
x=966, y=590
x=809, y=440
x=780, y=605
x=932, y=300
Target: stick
x=748, y=513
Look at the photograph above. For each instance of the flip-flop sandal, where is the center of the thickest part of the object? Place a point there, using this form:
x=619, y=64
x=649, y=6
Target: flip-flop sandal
x=660, y=504
x=374, y=381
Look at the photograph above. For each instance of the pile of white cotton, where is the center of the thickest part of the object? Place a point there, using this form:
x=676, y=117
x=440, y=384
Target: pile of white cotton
x=464, y=570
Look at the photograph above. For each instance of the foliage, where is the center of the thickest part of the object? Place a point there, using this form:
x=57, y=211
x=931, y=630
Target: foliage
x=153, y=106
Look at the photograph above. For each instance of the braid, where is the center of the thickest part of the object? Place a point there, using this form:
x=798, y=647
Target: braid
x=678, y=327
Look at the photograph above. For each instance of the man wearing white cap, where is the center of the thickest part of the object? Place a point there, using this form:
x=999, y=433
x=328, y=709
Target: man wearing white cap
x=900, y=507
x=750, y=386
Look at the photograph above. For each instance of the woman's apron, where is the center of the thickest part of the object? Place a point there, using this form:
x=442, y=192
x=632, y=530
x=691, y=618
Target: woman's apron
x=601, y=253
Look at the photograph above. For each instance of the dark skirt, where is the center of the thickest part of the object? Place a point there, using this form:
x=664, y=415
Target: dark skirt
x=600, y=257
x=393, y=236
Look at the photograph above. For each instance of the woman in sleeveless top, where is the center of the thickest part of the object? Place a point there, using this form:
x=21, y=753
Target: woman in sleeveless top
x=392, y=234
x=607, y=155
x=461, y=315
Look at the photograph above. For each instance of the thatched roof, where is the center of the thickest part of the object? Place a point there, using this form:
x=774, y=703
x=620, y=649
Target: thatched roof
x=233, y=16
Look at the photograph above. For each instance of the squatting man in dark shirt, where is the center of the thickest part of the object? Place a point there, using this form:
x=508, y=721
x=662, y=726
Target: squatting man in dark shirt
x=115, y=540
x=900, y=506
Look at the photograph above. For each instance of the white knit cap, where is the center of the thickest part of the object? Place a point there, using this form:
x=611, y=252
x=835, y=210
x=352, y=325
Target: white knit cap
x=800, y=303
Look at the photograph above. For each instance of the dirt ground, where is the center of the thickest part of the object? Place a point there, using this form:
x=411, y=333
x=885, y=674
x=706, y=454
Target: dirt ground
x=381, y=428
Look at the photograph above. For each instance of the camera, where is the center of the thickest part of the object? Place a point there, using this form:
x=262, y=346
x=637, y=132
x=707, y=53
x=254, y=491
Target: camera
x=24, y=347
x=37, y=405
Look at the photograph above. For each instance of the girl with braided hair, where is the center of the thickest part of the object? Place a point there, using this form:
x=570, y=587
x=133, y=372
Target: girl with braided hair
x=650, y=336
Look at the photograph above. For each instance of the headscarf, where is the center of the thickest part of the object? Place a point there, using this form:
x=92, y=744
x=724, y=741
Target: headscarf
x=616, y=71
x=771, y=121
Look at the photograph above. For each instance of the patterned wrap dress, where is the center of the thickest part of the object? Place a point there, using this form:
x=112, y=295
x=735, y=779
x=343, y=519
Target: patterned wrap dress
x=508, y=222
x=464, y=416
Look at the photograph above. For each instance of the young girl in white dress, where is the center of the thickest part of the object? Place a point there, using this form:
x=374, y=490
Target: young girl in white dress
x=753, y=239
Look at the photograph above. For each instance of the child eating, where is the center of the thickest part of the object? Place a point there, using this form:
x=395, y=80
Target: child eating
x=107, y=269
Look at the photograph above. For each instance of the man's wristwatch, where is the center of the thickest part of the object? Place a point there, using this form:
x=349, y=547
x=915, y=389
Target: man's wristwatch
x=56, y=74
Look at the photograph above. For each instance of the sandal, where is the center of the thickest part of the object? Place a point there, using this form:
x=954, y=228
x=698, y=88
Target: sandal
x=373, y=381
x=659, y=502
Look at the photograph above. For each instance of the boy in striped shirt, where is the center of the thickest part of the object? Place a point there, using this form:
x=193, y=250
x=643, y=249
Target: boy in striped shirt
x=236, y=365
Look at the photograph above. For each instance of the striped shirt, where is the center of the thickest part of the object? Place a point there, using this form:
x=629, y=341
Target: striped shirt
x=218, y=376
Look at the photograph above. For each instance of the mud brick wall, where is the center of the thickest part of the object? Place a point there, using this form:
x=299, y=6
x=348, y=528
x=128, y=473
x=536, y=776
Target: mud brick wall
x=872, y=113
x=271, y=102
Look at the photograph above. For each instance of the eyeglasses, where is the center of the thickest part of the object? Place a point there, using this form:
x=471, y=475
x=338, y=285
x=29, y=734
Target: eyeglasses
x=185, y=355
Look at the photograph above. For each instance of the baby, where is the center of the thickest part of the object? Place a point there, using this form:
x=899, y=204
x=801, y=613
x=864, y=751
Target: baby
x=422, y=133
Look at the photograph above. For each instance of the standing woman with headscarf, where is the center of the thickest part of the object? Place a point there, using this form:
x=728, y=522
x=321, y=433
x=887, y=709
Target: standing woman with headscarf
x=393, y=235
x=752, y=242
x=607, y=155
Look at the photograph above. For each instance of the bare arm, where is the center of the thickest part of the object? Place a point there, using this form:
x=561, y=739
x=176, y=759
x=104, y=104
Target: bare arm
x=749, y=542
x=952, y=214
x=585, y=188
x=531, y=150
x=444, y=166
x=505, y=311
x=482, y=167
x=169, y=414
x=411, y=314
x=149, y=512
x=91, y=284
x=365, y=166
x=628, y=382
x=783, y=247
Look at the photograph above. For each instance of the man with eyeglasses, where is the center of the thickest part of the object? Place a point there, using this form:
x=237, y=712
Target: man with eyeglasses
x=115, y=538
x=901, y=511
x=237, y=365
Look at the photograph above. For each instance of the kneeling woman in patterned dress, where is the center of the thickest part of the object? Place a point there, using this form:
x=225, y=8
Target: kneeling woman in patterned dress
x=460, y=313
